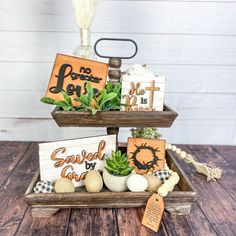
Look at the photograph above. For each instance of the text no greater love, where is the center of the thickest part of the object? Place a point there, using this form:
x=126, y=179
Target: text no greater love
x=66, y=70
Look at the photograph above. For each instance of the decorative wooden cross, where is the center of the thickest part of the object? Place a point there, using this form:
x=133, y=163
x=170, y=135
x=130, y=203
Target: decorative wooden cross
x=152, y=90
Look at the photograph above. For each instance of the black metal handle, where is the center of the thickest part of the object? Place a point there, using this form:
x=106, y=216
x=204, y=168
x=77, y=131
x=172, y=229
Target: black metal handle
x=115, y=39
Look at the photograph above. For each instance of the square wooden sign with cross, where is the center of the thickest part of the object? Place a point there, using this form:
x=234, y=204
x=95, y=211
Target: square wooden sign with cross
x=142, y=93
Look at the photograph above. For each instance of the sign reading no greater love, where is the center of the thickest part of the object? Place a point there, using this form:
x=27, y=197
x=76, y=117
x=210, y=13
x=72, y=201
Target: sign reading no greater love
x=73, y=159
x=71, y=75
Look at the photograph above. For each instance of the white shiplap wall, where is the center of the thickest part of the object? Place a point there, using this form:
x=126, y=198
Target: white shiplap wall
x=193, y=43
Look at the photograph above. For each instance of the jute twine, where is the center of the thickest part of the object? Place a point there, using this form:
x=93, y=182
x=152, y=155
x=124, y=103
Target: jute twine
x=211, y=172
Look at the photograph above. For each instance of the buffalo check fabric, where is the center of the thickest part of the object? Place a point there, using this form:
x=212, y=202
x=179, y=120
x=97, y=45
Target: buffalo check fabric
x=163, y=175
x=44, y=187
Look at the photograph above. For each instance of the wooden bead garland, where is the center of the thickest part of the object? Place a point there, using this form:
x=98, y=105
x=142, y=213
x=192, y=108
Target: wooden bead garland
x=169, y=184
x=211, y=172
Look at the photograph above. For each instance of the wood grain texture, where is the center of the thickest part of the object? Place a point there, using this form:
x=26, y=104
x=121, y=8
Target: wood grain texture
x=224, y=220
x=93, y=222
x=12, y=192
x=55, y=225
x=208, y=215
x=132, y=225
x=10, y=155
x=177, y=202
x=194, y=224
x=225, y=159
x=163, y=118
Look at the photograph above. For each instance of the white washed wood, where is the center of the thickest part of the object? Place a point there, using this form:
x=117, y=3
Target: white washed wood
x=180, y=78
x=74, y=148
x=182, y=131
x=26, y=104
x=157, y=96
x=42, y=130
x=184, y=59
x=177, y=49
x=163, y=16
x=197, y=132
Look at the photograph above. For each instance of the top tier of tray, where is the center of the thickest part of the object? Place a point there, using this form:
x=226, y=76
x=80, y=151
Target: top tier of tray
x=163, y=118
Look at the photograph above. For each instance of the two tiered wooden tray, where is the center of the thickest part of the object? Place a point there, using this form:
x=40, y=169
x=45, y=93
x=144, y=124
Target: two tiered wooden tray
x=179, y=201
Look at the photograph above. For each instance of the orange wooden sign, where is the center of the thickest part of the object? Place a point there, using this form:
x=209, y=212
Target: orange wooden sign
x=71, y=75
x=146, y=155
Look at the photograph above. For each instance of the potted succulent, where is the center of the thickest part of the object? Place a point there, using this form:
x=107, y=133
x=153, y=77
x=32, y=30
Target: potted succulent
x=117, y=171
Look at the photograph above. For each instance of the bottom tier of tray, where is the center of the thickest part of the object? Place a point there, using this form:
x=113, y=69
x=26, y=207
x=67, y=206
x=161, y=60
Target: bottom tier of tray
x=45, y=204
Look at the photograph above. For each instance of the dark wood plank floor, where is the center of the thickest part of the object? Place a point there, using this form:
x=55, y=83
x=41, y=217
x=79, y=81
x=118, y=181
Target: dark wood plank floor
x=214, y=213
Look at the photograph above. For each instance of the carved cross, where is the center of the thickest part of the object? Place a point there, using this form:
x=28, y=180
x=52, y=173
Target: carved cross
x=152, y=90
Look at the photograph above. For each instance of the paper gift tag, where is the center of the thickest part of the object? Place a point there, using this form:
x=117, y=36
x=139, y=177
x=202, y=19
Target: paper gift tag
x=153, y=212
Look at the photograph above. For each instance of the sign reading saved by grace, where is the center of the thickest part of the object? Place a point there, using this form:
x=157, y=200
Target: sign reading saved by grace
x=71, y=75
x=73, y=159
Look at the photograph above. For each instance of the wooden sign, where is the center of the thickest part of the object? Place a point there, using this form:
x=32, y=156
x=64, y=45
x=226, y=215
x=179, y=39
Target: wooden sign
x=142, y=93
x=72, y=159
x=71, y=75
x=146, y=155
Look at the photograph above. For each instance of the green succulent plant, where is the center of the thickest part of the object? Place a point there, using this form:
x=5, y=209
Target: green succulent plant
x=118, y=164
x=65, y=105
x=148, y=133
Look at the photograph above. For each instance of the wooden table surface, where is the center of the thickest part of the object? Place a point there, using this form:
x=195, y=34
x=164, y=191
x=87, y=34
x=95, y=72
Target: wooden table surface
x=214, y=213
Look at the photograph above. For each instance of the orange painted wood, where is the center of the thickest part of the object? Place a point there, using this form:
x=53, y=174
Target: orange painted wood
x=76, y=74
x=146, y=155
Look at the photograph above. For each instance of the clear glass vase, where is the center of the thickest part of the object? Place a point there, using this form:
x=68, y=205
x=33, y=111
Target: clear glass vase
x=85, y=50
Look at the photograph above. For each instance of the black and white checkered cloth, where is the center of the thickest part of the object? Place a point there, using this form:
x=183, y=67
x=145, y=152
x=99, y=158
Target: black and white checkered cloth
x=163, y=175
x=44, y=187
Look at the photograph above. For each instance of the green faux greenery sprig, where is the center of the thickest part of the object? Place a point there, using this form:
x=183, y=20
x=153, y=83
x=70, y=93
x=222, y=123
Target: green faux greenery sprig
x=65, y=105
x=110, y=88
x=148, y=133
x=118, y=164
x=104, y=101
x=107, y=99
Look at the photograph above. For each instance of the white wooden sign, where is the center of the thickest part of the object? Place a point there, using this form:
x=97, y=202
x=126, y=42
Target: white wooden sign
x=141, y=93
x=72, y=159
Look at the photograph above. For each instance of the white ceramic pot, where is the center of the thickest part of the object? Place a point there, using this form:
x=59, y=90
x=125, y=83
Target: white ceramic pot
x=115, y=183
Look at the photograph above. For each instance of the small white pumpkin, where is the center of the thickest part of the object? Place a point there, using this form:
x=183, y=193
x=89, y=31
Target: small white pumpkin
x=137, y=183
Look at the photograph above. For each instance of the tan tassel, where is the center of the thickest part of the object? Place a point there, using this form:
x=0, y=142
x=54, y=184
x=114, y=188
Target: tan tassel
x=211, y=172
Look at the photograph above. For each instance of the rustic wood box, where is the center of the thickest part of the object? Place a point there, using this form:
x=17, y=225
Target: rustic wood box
x=179, y=201
x=163, y=118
